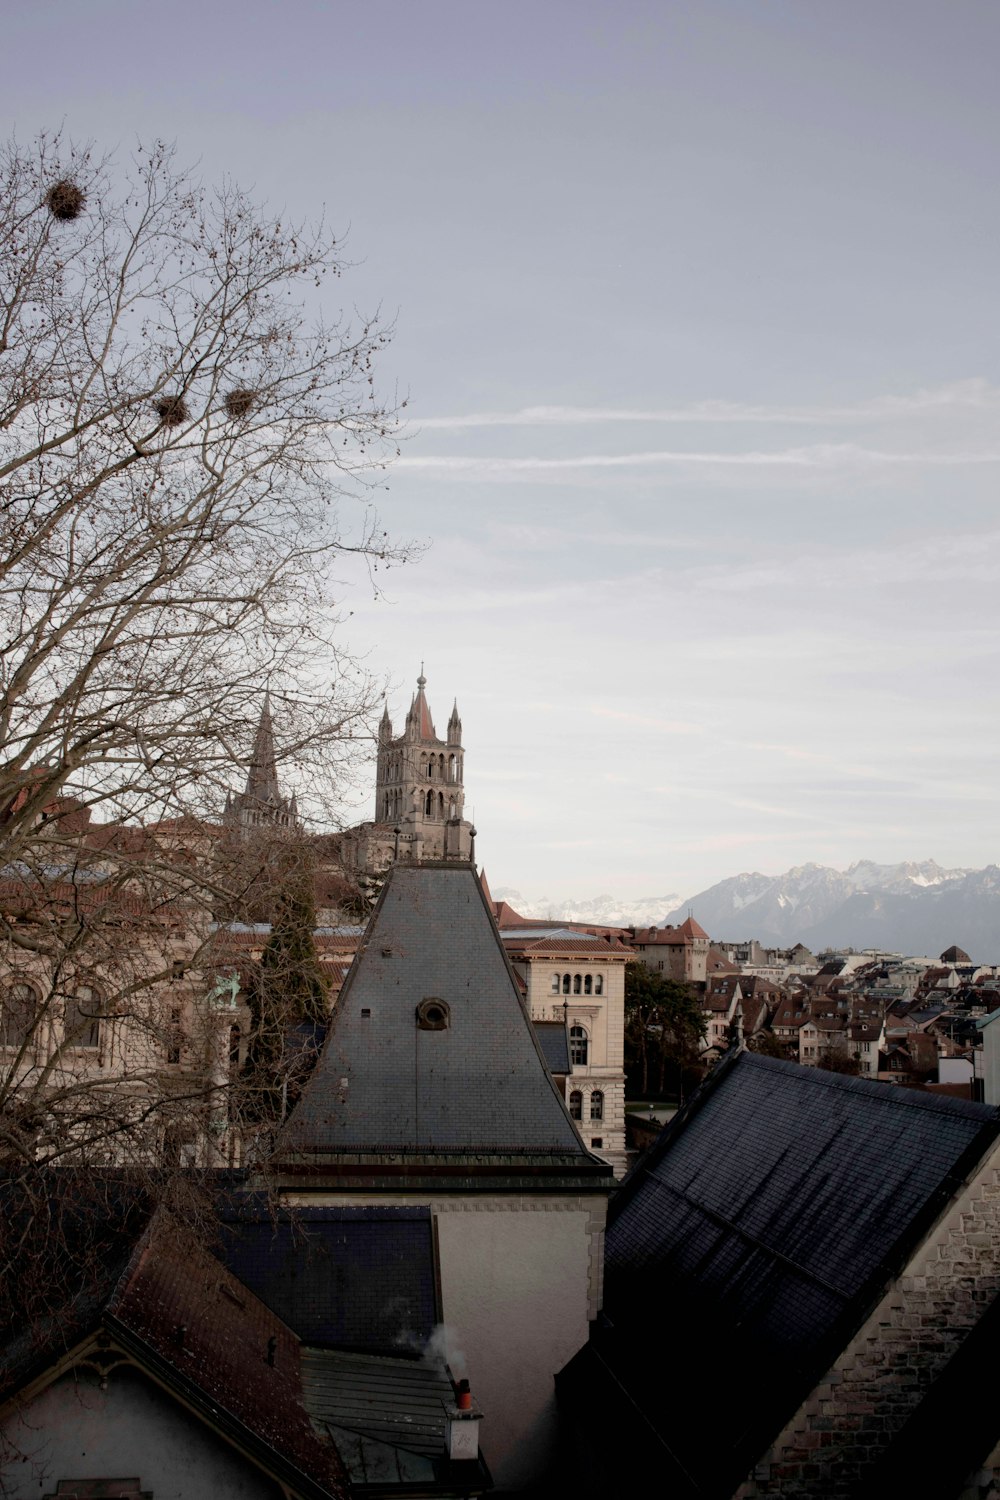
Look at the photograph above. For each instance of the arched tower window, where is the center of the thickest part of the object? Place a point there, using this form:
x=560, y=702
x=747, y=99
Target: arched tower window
x=588, y=984
x=598, y=984
x=579, y=1046
x=577, y=984
x=451, y=768
x=429, y=804
x=555, y=984
x=566, y=984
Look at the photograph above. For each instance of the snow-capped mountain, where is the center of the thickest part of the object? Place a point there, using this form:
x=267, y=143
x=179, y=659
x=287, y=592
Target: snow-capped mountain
x=645, y=911
x=914, y=907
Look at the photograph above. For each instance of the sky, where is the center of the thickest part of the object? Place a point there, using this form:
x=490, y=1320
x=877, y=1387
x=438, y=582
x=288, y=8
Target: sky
x=696, y=316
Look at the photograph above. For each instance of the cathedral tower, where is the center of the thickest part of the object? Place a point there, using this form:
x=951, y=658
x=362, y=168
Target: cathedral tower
x=419, y=787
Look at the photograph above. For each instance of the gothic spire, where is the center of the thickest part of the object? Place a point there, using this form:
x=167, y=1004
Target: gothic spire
x=262, y=777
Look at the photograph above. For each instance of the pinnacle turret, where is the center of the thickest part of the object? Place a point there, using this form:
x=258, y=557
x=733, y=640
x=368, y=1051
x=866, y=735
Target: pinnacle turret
x=454, y=726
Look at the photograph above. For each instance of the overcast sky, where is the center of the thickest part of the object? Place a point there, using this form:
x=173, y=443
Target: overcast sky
x=697, y=312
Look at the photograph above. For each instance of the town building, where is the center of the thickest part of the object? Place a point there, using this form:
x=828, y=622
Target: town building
x=578, y=980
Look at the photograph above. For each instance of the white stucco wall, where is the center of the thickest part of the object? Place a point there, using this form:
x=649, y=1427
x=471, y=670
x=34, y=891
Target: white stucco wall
x=74, y=1430
x=520, y=1280
x=991, y=1061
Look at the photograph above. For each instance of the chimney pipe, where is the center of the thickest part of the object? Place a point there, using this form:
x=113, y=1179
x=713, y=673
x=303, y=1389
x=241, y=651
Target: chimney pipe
x=463, y=1428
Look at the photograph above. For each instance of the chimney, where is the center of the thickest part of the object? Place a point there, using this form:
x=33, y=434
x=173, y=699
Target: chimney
x=463, y=1429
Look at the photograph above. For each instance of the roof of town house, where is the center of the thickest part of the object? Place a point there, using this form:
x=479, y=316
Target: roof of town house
x=954, y=955
x=692, y=929
x=674, y=937
x=791, y=1012
x=754, y=1013
x=776, y=1206
x=195, y=1329
x=431, y=1060
x=529, y=940
x=718, y=963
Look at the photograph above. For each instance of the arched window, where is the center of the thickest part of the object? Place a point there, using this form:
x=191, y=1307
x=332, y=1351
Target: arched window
x=588, y=984
x=578, y=1046
x=440, y=767
x=566, y=983
x=429, y=804
x=83, y=1021
x=577, y=984
x=597, y=1105
x=451, y=768
x=598, y=984
x=555, y=984
x=441, y=805
x=17, y=1016
x=576, y=1105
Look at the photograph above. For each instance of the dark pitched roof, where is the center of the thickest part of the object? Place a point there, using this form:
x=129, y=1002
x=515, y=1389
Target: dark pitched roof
x=472, y=1091
x=775, y=1207
x=342, y=1278
x=554, y=1039
x=388, y=1417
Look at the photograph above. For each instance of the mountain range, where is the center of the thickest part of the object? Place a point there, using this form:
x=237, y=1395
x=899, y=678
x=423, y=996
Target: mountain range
x=916, y=907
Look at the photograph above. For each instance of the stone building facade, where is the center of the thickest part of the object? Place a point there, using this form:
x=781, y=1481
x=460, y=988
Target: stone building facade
x=579, y=978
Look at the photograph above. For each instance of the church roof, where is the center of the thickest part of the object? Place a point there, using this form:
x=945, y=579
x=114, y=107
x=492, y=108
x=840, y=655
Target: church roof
x=431, y=1055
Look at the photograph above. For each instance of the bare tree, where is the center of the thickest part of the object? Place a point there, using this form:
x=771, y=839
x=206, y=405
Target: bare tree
x=186, y=449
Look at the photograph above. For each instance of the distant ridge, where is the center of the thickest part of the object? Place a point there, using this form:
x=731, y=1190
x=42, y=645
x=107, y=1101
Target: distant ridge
x=914, y=907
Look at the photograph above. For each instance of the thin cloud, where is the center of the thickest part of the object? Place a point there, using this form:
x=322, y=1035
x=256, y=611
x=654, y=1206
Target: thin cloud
x=970, y=395
x=814, y=456
x=667, y=726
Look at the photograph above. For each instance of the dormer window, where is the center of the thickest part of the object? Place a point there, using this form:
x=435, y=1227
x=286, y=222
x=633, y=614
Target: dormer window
x=433, y=1014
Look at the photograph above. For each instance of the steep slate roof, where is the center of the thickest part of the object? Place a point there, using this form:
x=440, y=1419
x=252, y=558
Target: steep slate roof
x=756, y=1236
x=343, y=1278
x=388, y=1095
x=554, y=1039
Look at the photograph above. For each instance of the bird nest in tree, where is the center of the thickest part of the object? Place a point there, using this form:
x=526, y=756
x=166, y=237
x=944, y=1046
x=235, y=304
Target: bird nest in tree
x=239, y=403
x=171, y=410
x=65, y=200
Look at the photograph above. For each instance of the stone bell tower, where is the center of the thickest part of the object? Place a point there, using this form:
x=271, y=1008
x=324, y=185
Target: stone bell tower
x=420, y=785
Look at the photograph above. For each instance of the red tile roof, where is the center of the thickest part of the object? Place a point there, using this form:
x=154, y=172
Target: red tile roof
x=184, y=1307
